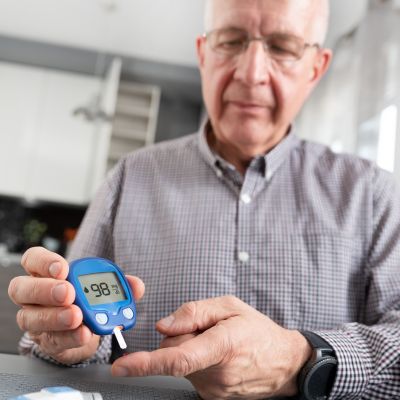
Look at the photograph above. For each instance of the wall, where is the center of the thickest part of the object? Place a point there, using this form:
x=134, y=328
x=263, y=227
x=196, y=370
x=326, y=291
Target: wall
x=134, y=28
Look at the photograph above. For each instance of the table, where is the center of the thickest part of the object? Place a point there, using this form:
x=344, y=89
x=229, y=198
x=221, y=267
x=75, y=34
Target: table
x=19, y=375
x=9, y=331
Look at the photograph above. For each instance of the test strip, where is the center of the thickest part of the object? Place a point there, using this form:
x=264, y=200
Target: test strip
x=120, y=338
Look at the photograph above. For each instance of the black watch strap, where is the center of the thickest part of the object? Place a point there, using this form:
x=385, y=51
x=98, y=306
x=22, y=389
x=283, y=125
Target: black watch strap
x=317, y=342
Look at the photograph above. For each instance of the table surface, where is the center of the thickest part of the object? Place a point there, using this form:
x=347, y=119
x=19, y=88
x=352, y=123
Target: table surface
x=9, y=331
x=19, y=375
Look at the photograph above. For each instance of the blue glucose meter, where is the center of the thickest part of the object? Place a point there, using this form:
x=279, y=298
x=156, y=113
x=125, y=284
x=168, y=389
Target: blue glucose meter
x=103, y=294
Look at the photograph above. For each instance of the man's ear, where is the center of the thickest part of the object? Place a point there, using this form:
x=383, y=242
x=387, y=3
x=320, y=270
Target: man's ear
x=200, y=44
x=321, y=65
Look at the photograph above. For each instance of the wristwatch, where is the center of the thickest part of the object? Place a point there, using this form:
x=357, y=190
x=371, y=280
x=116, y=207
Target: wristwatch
x=317, y=377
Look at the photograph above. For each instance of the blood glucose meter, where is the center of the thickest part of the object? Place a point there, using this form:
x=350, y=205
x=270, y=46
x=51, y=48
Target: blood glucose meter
x=104, y=296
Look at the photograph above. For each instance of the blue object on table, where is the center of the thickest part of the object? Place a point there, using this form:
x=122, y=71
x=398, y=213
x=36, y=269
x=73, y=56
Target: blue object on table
x=59, y=393
x=103, y=294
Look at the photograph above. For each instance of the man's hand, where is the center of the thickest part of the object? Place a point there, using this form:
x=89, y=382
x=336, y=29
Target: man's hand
x=227, y=349
x=47, y=310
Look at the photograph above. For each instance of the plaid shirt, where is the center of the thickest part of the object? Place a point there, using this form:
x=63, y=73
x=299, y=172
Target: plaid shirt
x=308, y=237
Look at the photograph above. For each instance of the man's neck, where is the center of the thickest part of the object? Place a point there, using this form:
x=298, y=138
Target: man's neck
x=238, y=157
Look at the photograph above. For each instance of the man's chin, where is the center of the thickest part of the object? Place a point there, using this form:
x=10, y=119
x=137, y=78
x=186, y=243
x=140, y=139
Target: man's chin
x=243, y=112
x=255, y=137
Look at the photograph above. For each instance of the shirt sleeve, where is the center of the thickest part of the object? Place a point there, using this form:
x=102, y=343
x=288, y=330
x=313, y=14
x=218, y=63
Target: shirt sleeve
x=94, y=239
x=369, y=353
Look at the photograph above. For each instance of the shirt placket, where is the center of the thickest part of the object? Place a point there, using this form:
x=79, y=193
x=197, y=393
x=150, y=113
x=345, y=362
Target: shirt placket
x=246, y=248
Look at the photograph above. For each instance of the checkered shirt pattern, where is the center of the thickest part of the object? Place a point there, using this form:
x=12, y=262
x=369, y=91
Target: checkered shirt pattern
x=308, y=237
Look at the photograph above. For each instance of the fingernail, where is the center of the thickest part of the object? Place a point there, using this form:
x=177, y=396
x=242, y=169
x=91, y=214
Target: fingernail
x=55, y=269
x=168, y=321
x=120, y=371
x=65, y=317
x=60, y=292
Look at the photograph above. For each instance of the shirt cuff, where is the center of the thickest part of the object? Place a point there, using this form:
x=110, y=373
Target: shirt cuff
x=354, y=364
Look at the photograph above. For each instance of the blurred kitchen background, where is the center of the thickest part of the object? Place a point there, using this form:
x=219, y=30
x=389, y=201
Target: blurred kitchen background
x=84, y=82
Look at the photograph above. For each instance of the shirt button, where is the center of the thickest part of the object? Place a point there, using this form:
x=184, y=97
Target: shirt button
x=243, y=256
x=219, y=173
x=245, y=198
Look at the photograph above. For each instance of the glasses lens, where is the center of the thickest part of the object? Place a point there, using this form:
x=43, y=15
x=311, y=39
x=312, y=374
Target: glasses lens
x=284, y=48
x=228, y=41
x=232, y=41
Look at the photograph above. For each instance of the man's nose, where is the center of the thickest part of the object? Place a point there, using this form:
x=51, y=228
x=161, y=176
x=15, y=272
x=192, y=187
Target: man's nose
x=253, y=65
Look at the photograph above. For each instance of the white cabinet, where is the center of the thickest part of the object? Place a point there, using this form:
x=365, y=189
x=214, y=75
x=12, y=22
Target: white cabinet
x=20, y=91
x=47, y=153
x=63, y=153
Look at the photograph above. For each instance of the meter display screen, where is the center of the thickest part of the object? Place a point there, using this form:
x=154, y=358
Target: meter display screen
x=102, y=288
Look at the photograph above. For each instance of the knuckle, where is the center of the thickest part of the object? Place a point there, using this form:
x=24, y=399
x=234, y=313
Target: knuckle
x=25, y=256
x=190, y=309
x=36, y=260
x=35, y=291
x=229, y=381
x=22, y=319
x=232, y=301
x=50, y=343
x=31, y=253
x=13, y=288
x=51, y=339
x=42, y=318
x=227, y=348
x=181, y=366
x=35, y=337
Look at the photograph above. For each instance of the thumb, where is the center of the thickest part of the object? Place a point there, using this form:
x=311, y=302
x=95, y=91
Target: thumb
x=200, y=315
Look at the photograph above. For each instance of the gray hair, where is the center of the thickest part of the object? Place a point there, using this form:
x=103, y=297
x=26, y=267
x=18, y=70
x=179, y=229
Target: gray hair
x=318, y=33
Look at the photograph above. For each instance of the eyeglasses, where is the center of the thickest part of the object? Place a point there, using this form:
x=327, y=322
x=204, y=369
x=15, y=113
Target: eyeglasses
x=280, y=47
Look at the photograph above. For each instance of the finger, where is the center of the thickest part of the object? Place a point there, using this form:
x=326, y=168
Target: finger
x=44, y=319
x=24, y=290
x=200, y=315
x=38, y=261
x=56, y=342
x=175, y=341
x=137, y=286
x=201, y=352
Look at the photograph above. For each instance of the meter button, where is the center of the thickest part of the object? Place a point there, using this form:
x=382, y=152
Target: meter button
x=101, y=318
x=128, y=313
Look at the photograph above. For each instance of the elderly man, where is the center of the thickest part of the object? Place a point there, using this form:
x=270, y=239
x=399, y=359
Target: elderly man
x=274, y=261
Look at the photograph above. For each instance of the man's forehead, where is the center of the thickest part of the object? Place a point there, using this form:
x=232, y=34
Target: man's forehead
x=290, y=16
x=264, y=4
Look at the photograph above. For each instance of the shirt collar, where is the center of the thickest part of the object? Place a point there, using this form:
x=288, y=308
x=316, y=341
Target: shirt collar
x=270, y=161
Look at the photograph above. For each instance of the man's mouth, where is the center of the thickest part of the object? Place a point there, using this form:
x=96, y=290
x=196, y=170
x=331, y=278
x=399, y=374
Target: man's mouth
x=250, y=107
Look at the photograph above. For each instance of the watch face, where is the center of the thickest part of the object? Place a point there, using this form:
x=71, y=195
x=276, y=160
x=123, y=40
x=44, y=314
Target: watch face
x=320, y=379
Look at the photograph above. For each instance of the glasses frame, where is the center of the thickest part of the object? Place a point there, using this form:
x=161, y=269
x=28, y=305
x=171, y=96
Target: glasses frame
x=261, y=39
